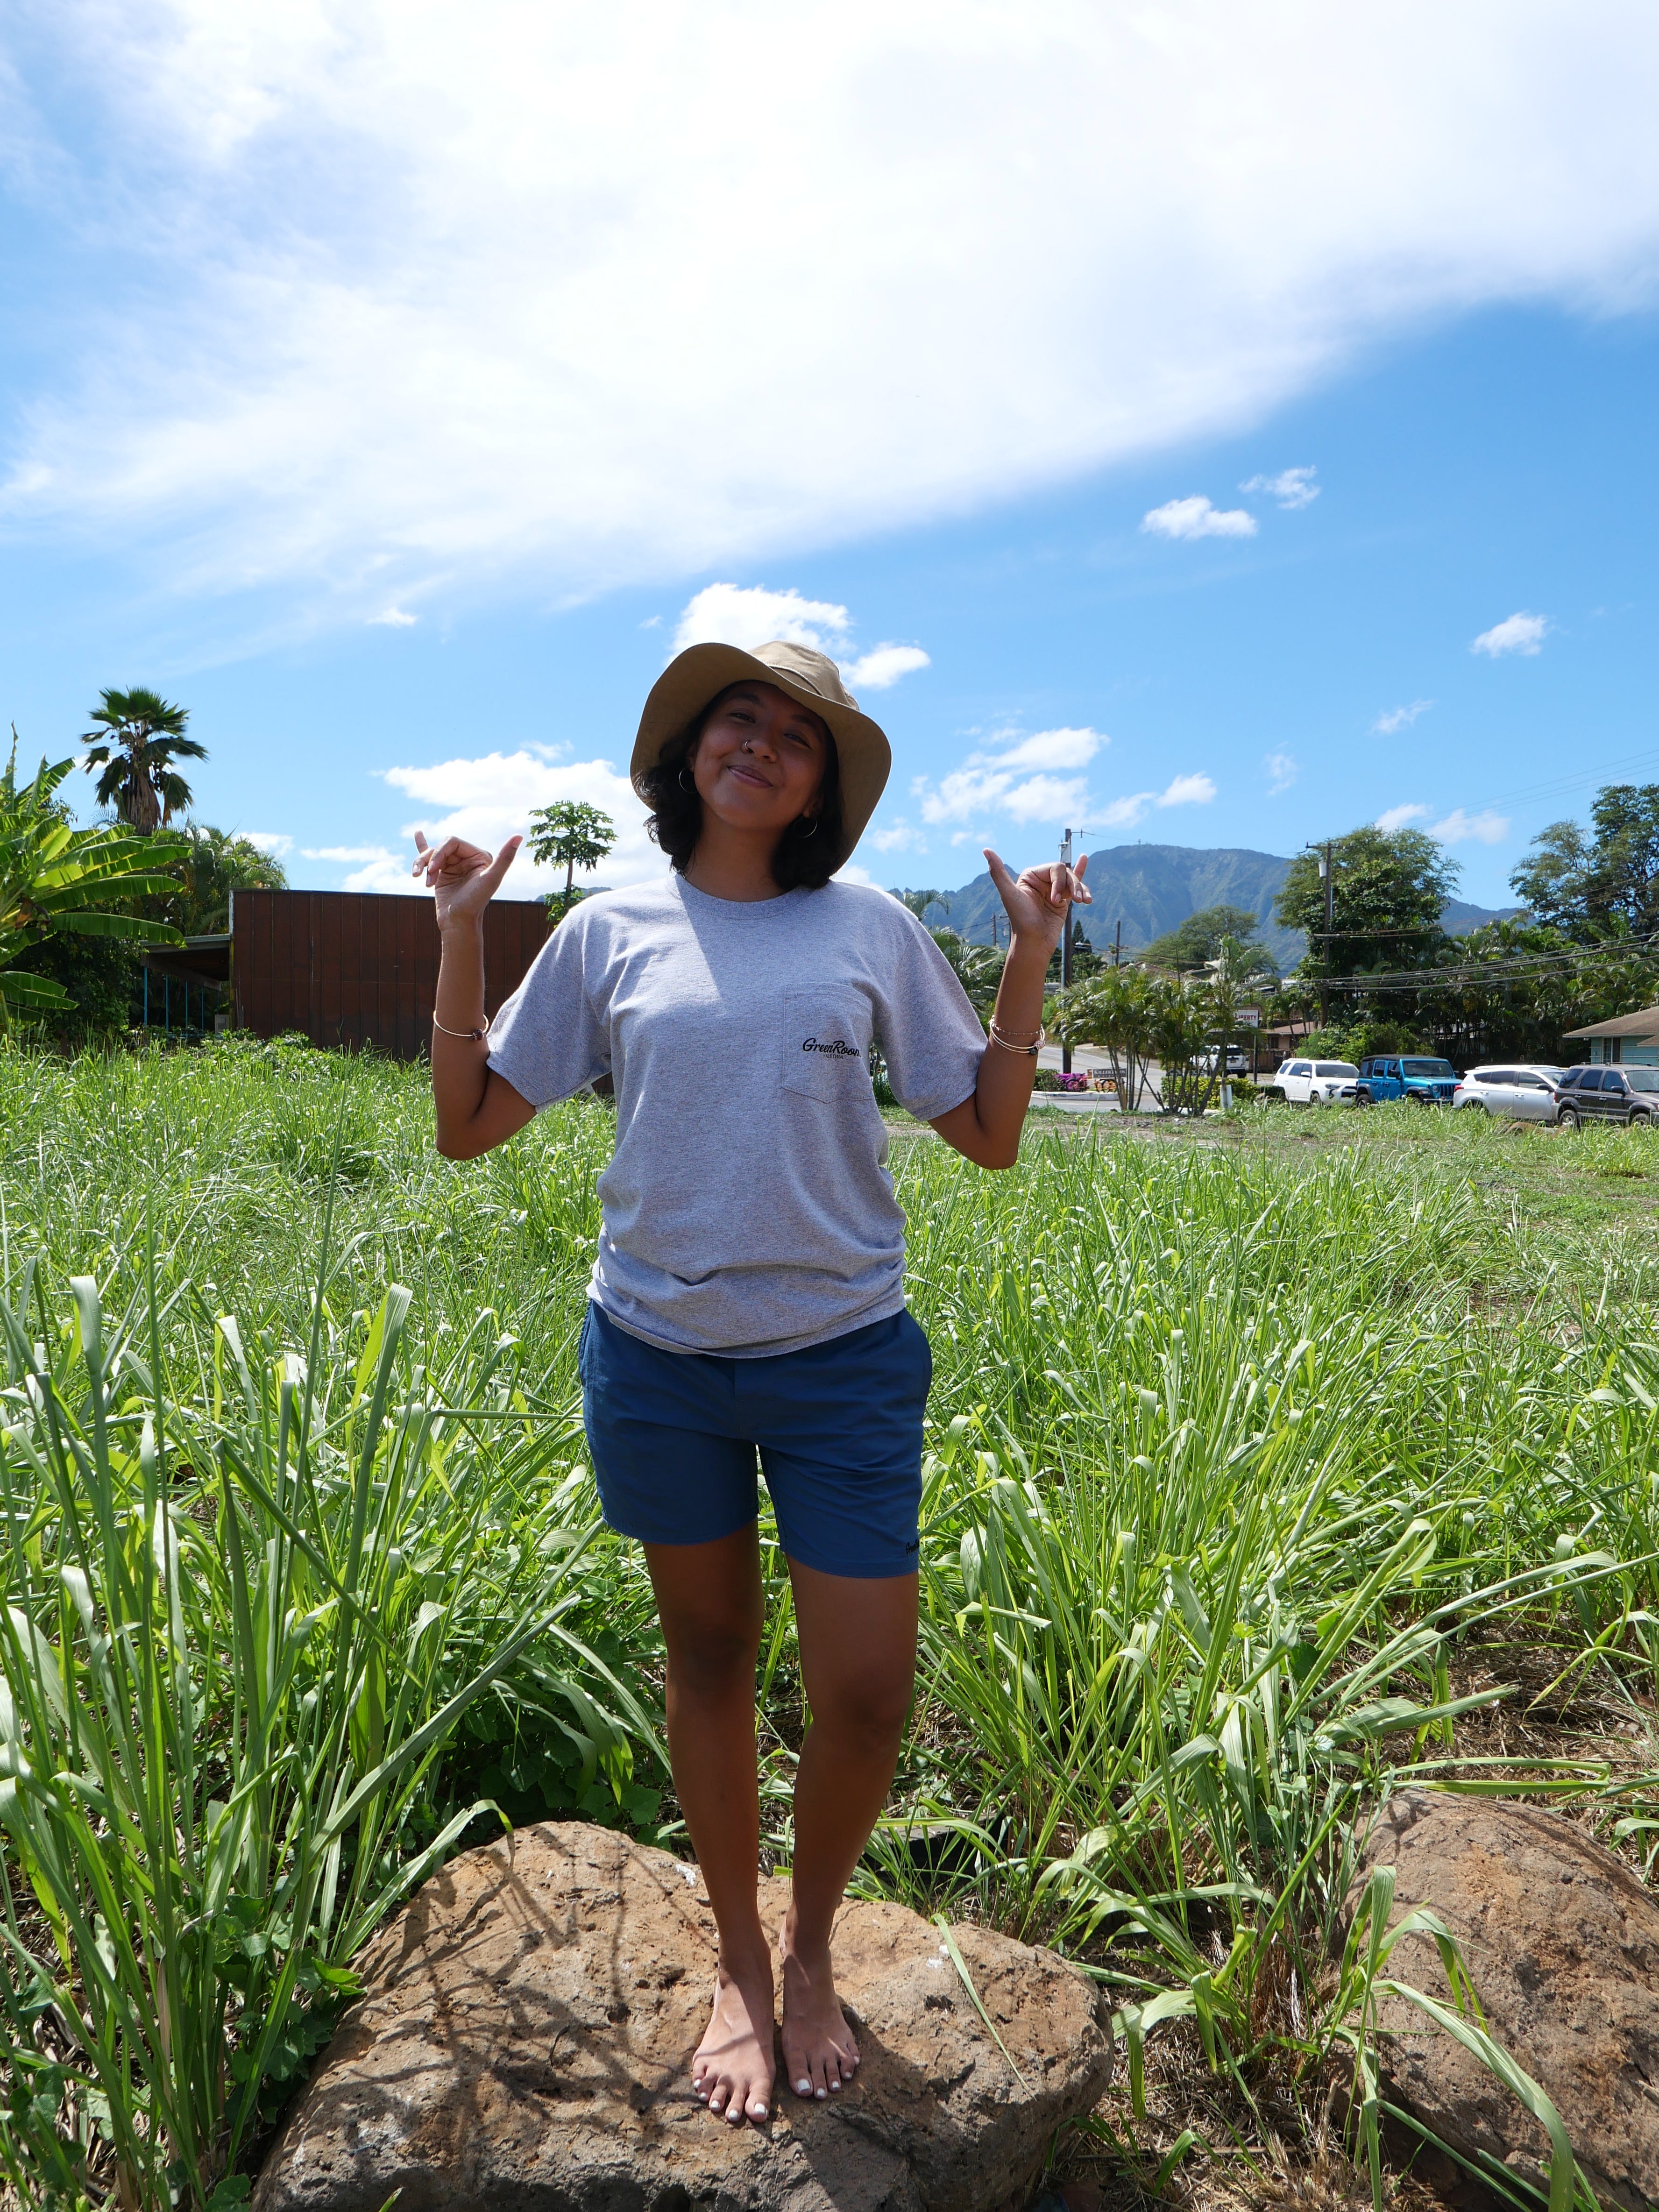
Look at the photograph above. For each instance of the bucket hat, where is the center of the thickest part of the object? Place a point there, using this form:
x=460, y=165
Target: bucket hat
x=701, y=673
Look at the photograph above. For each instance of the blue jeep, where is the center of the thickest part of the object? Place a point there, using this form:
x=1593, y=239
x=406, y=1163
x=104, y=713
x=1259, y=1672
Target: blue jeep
x=1429, y=1082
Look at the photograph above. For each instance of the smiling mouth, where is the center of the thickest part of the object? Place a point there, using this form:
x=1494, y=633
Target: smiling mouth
x=748, y=775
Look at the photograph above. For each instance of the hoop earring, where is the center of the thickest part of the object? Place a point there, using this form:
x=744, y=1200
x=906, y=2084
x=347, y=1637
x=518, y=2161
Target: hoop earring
x=812, y=832
x=684, y=785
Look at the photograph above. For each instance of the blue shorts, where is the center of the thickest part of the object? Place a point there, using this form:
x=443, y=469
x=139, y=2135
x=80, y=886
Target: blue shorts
x=674, y=1437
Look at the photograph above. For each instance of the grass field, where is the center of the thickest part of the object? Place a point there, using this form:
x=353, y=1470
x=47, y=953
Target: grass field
x=1270, y=1460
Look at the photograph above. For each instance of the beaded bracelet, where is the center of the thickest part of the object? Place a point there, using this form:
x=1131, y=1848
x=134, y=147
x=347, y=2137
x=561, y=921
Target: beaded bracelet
x=1030, y=1051
x=473, y=1036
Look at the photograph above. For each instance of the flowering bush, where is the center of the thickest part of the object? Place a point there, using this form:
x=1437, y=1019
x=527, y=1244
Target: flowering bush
x=1076, y=1081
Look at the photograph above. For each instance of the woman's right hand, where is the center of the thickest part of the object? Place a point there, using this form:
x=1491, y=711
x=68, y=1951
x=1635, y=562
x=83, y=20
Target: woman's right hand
x=463, y=877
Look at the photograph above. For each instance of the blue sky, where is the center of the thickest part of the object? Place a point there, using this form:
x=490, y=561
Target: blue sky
x=397, y=408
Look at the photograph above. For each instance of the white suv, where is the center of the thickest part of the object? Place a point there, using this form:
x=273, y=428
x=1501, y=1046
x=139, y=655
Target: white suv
x=1527, y=1091
x=1313, y=1082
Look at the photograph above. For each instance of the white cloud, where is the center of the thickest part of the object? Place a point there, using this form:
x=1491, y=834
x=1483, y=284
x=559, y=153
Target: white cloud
x=1121, y=813
x=1291, y=488
x=880, y=668
x=965, y=791
x=750, y=614
x=1124, y=813
x=989, y=782
x=1188, y=791
x=1281, y=769
x=1518, y=633
x=1055, y=748
x=372, y=867
x=1400, y=818
x=1197, y=518
x=1046, y=798
x=395, y=618
x=275, y=842
x=1487, y=828
x=487, y=798
x=895, y=836
x=1400, y=718
x=1457, y=827
x=335, y=304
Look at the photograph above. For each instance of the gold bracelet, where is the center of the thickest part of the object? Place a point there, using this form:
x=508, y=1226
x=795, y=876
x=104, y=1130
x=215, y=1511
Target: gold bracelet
x=1031, y=1051
x=473, y=1036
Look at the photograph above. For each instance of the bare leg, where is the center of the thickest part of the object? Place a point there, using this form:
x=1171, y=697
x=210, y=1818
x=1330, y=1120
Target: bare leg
x=709, y=1596
x=858, y=1655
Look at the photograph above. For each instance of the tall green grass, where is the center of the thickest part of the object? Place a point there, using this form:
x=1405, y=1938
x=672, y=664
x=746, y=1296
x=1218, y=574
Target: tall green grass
x=1240, y=1457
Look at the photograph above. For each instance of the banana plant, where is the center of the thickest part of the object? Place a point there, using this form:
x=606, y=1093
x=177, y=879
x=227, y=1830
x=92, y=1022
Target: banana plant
x=54, y=877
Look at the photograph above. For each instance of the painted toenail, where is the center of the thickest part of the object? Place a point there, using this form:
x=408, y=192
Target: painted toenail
x=823, y=2093
x=802, y=2088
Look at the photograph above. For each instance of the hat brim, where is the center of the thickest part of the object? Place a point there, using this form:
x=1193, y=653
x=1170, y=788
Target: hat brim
x=701, y=673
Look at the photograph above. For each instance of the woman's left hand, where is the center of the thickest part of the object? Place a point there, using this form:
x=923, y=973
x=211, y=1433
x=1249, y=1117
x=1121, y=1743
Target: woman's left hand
x=1038, y=902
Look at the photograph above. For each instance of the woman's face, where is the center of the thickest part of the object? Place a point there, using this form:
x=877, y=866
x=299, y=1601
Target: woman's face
x=760, y=760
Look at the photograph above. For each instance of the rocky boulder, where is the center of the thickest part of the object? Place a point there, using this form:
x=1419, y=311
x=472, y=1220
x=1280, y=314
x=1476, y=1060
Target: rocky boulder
x=525, y=2040
x=1562, y=1945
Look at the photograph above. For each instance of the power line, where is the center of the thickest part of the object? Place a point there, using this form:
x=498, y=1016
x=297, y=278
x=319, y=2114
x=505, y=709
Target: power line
x=1517, y=967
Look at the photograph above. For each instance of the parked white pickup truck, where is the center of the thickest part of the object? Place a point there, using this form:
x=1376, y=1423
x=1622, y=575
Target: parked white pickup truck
x=1315, y=1082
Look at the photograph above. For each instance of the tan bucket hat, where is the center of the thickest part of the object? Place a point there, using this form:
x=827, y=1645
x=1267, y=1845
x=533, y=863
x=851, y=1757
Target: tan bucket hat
x=701, y=673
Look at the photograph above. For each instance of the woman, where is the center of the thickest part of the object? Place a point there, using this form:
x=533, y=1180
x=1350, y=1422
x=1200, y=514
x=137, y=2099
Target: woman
x=748, y=1291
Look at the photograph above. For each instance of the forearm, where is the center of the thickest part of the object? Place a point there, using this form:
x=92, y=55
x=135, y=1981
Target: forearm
x=986, y=1127
x=461, y=1070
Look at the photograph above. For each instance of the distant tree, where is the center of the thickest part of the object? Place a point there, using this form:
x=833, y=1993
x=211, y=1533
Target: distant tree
x=1388, y=890
x=1592, y=886
x=978, y=968
x=137, y=738
x=1085, y=961
x=211, y=865
x=1196, y=941
x=919, y=902
x=572, y=833
x=1544, y=981
x=1116, y=1012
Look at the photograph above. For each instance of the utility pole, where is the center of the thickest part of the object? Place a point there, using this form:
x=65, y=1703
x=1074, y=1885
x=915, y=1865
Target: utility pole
x=1065, y=962
x=1327, y=877
x=1117, y=944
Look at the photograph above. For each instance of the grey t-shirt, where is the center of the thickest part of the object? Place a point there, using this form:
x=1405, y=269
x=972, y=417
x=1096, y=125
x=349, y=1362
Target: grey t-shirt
x=747, y=1209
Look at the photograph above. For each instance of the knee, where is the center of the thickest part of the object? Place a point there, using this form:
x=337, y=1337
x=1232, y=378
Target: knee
x=867, y=1708
x=715, y=1661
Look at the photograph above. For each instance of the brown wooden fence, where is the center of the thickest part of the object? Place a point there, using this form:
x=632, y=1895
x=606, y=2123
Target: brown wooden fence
x=351, y=969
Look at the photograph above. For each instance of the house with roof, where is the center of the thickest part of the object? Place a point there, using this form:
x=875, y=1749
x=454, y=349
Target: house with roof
x=1631, y=1040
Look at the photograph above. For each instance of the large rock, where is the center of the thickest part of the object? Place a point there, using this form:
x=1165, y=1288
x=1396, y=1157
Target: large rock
x=525, y=2044
x=1562, y=1945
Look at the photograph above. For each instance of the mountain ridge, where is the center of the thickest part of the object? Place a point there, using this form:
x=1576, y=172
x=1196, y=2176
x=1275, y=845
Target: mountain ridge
x=1153, y=888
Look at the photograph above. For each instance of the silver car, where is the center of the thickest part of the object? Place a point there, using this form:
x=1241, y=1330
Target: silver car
x=1526, y=1090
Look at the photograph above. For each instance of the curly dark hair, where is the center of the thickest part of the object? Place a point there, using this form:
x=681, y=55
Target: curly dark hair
x=804, y=859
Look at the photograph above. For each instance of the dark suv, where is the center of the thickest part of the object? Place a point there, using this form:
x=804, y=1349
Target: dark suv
x=1609, y=1094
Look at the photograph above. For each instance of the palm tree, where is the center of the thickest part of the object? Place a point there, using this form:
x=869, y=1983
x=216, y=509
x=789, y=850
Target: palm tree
x=212, y=864
x=140, y=737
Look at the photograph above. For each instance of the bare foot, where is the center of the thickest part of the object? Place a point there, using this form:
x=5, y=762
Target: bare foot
x=733, y=2070
x=819, y=2054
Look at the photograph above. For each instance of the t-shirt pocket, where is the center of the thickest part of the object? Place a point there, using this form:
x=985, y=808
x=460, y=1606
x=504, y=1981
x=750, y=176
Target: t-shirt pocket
x=826, y=1041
